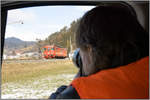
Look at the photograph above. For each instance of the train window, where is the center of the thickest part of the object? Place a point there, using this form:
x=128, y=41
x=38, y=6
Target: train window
x=48, y=49
x=44, y=49
x=29, y=71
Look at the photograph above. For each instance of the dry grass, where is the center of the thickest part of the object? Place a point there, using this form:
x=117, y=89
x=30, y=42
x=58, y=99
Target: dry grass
x=20, y=72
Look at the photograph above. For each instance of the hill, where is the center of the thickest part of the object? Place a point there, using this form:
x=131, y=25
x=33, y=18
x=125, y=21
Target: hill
x=65, y=37
x=13, y=43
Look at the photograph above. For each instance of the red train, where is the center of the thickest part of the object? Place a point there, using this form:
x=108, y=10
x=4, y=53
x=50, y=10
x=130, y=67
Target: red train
x=52, y=51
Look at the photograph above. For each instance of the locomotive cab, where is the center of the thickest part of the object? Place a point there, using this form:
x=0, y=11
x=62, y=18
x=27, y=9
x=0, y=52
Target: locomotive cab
x=54, y=52
x=48, y=52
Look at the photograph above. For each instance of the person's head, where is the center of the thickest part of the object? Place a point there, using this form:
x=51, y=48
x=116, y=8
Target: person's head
x=109, y=36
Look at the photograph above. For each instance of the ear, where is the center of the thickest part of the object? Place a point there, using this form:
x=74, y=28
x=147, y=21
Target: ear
x=89, y=51
x=89, y=48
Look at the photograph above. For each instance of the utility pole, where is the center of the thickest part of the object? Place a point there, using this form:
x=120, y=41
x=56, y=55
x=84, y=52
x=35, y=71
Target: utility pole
x=70, y=45
x=38, y=46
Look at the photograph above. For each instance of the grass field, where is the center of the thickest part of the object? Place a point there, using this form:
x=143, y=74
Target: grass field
x=35, y=80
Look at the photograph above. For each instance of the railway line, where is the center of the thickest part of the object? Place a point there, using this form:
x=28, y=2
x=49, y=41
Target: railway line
x=36, y=60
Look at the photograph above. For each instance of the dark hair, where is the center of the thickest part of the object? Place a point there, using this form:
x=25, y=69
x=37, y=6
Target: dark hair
x=115, y=35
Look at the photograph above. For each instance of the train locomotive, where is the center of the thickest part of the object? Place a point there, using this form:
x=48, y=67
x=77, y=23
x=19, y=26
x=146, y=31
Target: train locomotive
x=52, y=51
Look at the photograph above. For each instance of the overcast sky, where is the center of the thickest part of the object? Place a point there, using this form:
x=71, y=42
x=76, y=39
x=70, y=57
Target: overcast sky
x=40, y=22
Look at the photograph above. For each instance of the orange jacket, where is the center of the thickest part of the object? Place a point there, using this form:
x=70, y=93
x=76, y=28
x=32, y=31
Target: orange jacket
x=124, y=82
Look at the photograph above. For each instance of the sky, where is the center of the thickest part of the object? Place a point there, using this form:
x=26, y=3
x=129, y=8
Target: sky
x=40, y=22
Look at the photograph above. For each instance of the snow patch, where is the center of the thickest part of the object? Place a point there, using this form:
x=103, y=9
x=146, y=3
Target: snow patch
x=35, y=89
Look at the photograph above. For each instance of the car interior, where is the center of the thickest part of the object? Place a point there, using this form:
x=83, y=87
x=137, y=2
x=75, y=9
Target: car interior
x=141, y=8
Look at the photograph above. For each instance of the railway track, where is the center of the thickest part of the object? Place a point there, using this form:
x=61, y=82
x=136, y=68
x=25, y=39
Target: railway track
x=36, y=61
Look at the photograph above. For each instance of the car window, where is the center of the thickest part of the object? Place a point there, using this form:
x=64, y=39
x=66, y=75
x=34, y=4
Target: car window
x=27, y=71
